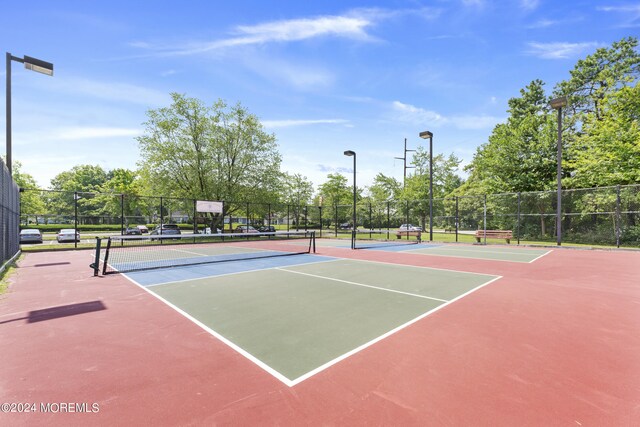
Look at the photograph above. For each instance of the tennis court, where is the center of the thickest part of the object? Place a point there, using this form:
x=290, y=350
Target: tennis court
x=496, y=253
x=300, y=316
x=262, y=330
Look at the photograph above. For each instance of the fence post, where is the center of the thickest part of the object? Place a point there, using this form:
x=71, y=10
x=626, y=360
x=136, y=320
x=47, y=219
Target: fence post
x=407, y=204
x=122, y=214
x=457, y=218
x=485, y=219
x=388, y=218
x=320, y=210
x=370, y=223
x=75, y=229
x=161, y=218
x=518, y=220
x=335, y=222
x=195, y=220
x=618, y=216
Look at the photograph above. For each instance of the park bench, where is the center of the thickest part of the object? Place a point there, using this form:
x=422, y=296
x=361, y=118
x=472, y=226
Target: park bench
x=494, y=234
x=400, y=234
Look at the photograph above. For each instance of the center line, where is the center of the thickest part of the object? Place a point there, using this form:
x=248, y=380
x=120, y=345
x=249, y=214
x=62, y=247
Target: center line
x=361, y=284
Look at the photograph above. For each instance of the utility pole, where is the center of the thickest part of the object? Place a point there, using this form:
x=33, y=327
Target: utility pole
x=404, y=159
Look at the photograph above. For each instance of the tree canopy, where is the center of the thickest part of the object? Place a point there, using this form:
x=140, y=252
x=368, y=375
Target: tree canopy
x=216, y=152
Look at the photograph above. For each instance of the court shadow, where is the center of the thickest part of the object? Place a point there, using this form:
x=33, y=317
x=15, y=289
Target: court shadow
x=60, y=311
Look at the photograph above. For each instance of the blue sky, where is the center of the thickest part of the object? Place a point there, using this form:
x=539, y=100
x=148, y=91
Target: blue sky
x=324, y=77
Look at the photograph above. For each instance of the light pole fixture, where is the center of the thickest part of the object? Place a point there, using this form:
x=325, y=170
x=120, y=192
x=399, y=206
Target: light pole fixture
x=424, y=135
x=557, y=104
x=32, y=64
x=350, y=153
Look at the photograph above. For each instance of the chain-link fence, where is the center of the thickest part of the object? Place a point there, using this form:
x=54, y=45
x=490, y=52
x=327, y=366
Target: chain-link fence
x=596, y=216
x=9, y=216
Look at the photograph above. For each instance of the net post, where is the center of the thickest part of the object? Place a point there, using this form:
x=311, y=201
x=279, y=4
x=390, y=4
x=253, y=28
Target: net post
x=106, y=257
x=313, y=242
x=96, y=263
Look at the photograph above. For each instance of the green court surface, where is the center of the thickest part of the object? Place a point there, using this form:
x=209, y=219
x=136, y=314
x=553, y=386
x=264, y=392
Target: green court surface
x=496, y=253
x=297, y=320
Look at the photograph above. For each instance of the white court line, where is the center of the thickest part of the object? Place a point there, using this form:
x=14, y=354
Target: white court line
x=187, y=252
x=464, y=257
x=419, y=266
x=546, y=253
x=361, y=284
x=235, y=347
x=224, y=274
x=460, y=249
x=278, y=375
x=381, y=337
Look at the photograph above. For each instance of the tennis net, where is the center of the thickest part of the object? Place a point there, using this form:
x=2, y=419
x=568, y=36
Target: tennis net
x=123, y=254
x=373, y=239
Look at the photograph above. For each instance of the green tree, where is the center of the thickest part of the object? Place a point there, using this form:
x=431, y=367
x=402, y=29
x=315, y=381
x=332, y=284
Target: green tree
x=521, y=153
x=336, y=194
x=77, y=185
x=599, y=75
x=384, y=188
x=31, y=200
x=336, y=191
x=415, y=194
x=609, y=147
x=121, y=193
x=297, y=193
x=219, y=152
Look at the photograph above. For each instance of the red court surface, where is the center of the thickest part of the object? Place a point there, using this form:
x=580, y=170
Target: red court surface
x=554, y=342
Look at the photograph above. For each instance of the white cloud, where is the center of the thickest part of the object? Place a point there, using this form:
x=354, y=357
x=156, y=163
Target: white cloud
x=543, y=23
x=410, y=113
x=305, y=77
x=631, y=14
x=529, y=4
x=560, y=50
x=418, y=116
x=75, y=133
x=350, y=26
x=291, y=123
x=122, y=92
x=476, y=3
x=353, y=25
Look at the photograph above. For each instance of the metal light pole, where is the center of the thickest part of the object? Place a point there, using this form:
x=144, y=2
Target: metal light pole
x=353, y=225
x=30, y=64
x=424, y=135
x=557, y=104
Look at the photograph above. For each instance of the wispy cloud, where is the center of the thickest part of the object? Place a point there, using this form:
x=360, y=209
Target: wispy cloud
x=301, y=76
x=76, y=133
x=353, y=25
x=529, y=4
x=419, y=116
x=410, y=113
x=631, y=14
x=121, y=92
x=333, y=169
x=475, y=3
x=559, y=50
x=543, y=23
x=291, y=123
